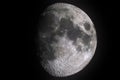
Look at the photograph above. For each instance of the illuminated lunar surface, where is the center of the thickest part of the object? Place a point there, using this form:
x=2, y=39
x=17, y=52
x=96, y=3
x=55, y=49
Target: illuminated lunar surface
x=67, y=39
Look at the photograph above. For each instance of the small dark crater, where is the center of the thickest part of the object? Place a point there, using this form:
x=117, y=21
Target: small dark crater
x=87, y=25
x=78, y=48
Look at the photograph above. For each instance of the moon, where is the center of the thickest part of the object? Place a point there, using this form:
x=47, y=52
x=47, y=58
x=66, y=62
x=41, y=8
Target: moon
x=67, y=39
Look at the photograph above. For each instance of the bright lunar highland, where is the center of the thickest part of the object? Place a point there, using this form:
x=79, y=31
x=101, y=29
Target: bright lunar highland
x=67, y=39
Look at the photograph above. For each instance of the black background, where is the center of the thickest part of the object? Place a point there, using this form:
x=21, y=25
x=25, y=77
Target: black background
x=103, y=13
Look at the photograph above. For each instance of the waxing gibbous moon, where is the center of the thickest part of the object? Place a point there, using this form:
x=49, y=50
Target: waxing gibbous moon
x=67, y=39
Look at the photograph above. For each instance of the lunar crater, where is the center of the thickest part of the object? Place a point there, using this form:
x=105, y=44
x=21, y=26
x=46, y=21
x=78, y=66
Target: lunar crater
x=87, y=26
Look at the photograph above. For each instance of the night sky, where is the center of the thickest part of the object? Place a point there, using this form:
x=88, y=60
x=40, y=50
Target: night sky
x=102, y=65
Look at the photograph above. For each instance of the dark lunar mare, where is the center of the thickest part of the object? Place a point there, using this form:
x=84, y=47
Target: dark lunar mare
x=46, y=23
x=47, y=51
x=73, y=32
x=46, y=28
x=87, y=25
